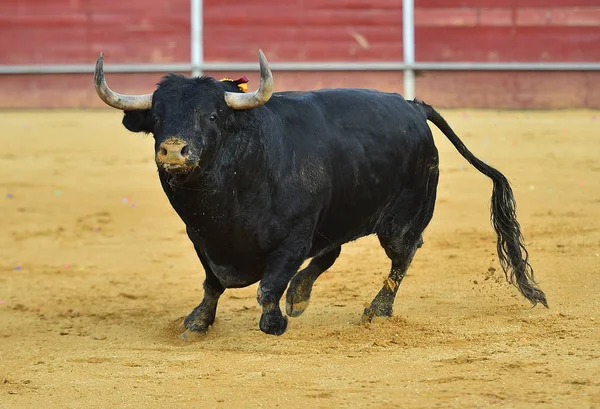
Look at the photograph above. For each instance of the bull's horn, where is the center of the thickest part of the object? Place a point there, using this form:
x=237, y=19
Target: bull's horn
x=111, y=98
x=259, y=97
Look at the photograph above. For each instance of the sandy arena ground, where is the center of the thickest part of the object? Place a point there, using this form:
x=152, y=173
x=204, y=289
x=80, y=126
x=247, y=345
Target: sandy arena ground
x=96, y=275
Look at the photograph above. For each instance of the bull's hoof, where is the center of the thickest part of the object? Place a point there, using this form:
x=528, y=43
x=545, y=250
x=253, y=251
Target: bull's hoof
x=374, y=311
x=197, y=322
x=196, y=326
x=273, y=324
x=298, y=294
x=295, y=309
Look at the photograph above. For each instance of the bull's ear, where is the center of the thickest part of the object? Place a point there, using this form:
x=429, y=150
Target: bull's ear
x=138, y=121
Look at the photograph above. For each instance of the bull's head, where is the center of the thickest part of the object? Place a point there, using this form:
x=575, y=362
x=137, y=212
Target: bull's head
x=187, y=116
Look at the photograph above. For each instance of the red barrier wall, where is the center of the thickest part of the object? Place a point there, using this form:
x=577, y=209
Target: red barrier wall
x=371, y=30
x=75, y=31
x=138, y=31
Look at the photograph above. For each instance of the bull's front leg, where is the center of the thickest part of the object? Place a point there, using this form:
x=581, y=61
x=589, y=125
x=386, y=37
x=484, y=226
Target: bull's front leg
x=281, y=267
x=203, y=316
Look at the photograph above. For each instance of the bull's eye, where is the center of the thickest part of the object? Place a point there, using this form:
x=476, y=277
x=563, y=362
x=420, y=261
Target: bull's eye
x=213, y=117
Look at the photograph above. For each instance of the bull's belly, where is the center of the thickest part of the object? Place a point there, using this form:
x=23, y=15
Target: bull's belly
x=340, y=228
x=237, y=276
x=326, y=241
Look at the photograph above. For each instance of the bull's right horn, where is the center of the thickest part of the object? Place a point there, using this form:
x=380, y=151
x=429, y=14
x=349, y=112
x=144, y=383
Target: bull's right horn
x=236, y=100
x=111, y=98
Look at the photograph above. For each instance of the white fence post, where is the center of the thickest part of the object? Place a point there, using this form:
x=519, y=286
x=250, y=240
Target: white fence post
x=196, y=37
x=408, y=42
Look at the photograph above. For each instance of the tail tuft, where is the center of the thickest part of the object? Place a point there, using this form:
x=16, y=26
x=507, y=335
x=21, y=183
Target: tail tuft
x=512, y=253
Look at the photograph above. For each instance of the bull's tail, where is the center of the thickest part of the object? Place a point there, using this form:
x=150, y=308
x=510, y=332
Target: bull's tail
x=512, y=253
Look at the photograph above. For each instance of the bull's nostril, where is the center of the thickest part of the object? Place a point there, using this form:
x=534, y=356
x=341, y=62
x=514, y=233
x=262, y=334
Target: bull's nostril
x=163, y=151
x=184, y=150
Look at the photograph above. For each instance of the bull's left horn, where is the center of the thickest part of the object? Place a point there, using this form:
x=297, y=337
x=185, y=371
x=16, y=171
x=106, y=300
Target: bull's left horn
x=111, y=98
x=259, y=97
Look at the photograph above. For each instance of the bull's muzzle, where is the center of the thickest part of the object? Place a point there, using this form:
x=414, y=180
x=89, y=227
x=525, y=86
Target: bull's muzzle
x=174, y=156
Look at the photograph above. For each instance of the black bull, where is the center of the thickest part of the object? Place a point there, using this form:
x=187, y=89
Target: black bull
x=265, y=181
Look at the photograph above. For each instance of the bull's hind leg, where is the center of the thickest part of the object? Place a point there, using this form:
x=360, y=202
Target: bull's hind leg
x=401, y=238
x=401, y=251
x=298, y=293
